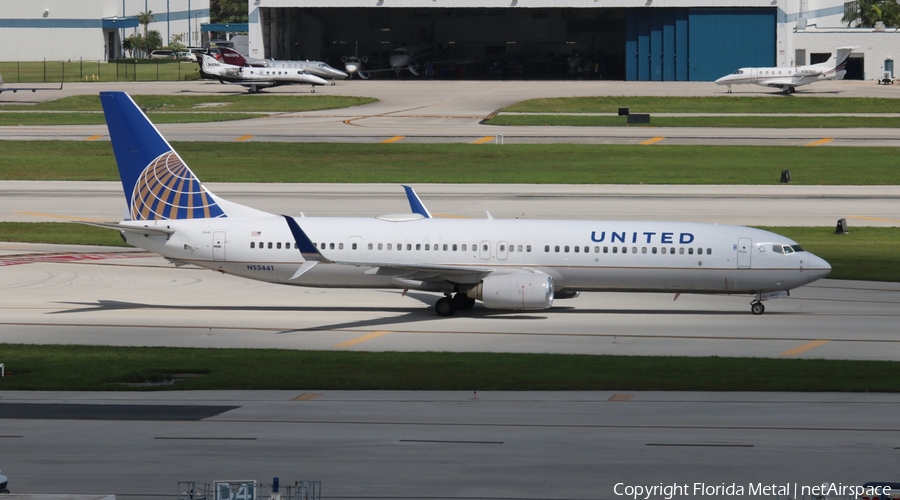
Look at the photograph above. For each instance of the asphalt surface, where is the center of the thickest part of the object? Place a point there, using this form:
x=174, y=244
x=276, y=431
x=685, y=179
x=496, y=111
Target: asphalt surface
x=445, y=111
x=463, y=445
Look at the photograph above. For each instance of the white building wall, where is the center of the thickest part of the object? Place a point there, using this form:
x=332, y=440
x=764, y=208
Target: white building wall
x=875, y=46
x=71, y=29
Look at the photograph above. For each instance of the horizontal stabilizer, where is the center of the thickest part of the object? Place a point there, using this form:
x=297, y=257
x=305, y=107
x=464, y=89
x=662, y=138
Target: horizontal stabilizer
x=145, y=230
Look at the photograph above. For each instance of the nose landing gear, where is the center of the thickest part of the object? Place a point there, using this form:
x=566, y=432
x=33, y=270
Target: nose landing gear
x=757, y=308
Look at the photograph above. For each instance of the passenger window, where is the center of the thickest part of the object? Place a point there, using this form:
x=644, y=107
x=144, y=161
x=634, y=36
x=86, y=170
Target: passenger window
x=296, y=246
x=388, y=246
x=321, y=246
x=454, y=247
x=340, y=246
x=399, y=247
x=270, y=245
x=577, y=249
x=445, y=247
x=512, y=248
x=587, y=249
x=502, y=248
x=653, y=250
x=354, y=247
x=567, y=249
x=546, y=248
x=520, y=248
x=463, y=248
x=643, y=249
x=428, y=246
x=252, y=244
x=418, y=246
x=633, y=249
x=681, y=250
x=331, y=246
x=605, y=249
x=380, y=246
x=556, y=248
x=663, y=249
x=484, y=247
x=709, y=251
x=370, y=246
x=528, y=248
x=690, y=251
x=615, y=249
x=409, y=246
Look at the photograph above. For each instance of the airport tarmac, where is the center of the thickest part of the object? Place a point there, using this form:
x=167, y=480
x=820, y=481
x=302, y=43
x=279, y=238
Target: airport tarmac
x=762, y=205
x=446, y=445
x=444, y=111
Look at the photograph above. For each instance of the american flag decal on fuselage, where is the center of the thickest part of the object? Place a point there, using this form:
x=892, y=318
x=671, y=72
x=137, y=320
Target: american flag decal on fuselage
x=167, y=189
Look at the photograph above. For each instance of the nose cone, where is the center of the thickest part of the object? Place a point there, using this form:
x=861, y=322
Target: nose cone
x=351, y=67
x=721, y=81
x=315, y=80
x=398, y=61
x=336, y=73
x=818, y=268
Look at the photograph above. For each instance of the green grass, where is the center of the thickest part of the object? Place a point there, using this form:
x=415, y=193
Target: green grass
x=19, y=119
x=468, y=163
x=141, y=70
x=90, y=368
x=701, y=121
x=86, y=109
x=231, y=103
x=867, y=253
x=59, y=233
x=712, y=104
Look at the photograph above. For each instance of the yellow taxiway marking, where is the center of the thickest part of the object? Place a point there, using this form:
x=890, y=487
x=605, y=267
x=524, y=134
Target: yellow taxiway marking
x=393, y=139
x=821, y=141
x=243, y=138
x=652, y=141
x=364, y=338
x=879, y=219
x=307, y=396
x=487, y=138
x=805, y=347
x=93, y=137
x=54, y=216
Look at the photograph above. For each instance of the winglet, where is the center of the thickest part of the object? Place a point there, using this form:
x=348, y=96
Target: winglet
x=415, y=204
x=304, y=244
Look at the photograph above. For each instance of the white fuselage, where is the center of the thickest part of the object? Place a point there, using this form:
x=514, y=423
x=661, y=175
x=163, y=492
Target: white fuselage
x=579, y=255
x=257, y=76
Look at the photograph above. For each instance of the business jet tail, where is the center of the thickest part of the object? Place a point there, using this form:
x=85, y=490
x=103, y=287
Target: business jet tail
x=158, y=185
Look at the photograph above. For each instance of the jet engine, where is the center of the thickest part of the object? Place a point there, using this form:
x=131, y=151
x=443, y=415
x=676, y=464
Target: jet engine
x=517, y=291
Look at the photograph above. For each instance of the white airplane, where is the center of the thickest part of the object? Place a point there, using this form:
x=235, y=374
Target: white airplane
x=506, y=264
x=788, y=79
x=317, y=68
x=24, y=89
x=404, y=57
x=255, y=79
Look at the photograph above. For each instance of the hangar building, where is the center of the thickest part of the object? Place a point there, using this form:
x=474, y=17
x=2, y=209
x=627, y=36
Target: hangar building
x=91, y=29
x=635, y=40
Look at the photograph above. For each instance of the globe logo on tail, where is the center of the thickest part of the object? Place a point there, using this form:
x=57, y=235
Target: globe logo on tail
x=167, y=189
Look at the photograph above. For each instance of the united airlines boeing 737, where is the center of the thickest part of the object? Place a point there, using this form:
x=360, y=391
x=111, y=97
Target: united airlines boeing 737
x=506, y=264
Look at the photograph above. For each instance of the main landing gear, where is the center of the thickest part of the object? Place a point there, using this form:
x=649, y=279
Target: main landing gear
x=448, y=305
x=757, y=307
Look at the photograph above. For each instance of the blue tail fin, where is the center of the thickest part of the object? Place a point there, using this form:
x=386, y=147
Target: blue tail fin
x=157, y=183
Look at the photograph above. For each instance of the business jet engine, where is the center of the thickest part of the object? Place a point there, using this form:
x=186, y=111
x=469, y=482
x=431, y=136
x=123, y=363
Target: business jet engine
x=518, y=291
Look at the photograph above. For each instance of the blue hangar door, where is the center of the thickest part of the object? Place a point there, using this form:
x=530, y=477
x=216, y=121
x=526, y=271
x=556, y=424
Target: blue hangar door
x=686, y=44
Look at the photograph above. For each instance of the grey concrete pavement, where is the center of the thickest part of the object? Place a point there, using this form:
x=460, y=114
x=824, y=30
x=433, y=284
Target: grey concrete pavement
x=774, y=205
x=516, y=445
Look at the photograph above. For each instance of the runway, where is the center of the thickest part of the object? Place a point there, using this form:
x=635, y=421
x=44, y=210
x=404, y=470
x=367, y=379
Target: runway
x=772, y=205
x=442, y=111
x=449, y=445
x=378, y=444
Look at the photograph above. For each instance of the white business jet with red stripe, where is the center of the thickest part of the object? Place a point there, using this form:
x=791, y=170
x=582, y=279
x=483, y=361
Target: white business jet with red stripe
x=255, y=79
x=506, y=264
x=789, y=78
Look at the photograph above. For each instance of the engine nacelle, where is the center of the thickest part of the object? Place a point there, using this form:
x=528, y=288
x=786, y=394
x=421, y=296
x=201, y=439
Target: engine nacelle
x=515, y=291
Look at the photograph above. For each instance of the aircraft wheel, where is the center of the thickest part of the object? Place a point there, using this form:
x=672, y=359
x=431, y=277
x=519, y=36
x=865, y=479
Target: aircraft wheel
x=757, y=308
x=462, y=302
x=445, y=307
x=313, y=90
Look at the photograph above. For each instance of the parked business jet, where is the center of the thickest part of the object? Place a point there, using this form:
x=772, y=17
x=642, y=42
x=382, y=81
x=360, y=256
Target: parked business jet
x=24, y=89
x=317, y=68
x=255, y=79
x=506, y=264
x=788, y=79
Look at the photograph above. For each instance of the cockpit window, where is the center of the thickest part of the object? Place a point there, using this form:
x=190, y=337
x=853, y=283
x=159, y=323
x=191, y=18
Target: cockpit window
x=738, y=72
x=797, y=248
x=777, y=249
x=788, y=250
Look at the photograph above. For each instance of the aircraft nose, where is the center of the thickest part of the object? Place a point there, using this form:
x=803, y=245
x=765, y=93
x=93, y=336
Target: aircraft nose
x=338, y=73
x=818, y=268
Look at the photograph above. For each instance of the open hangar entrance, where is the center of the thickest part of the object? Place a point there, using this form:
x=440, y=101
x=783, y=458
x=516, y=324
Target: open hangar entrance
x=652, y=44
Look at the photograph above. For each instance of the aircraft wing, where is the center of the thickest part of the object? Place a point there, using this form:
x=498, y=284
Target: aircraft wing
x=781, y=83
